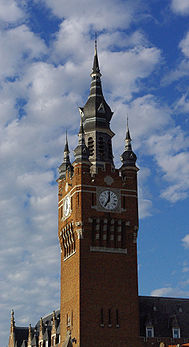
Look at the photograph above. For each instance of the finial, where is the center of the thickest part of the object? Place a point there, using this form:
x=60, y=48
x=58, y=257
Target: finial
x=66, y=148
x=54, y=316
x=29, y=334
x=12, y=321
x=66, y=137
x=12, y=317
x=128, y=137
x=95, y=42
x=95, y=69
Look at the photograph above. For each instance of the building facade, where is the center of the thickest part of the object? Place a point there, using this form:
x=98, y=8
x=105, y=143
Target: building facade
x=97, y=229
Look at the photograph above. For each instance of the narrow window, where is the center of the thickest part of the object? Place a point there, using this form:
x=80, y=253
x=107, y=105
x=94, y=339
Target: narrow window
x=91, y=146
x=117, y=318
x=124, y=202
x=109, y=149
x=78, y=199
x=61, y=212
x=101, y=147
x=93, y=199
x=101, y=317
x=109, y=318
x=72, y=319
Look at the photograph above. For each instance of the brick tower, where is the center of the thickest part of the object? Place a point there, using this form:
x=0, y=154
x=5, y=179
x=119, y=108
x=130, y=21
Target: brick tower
x=98, y=224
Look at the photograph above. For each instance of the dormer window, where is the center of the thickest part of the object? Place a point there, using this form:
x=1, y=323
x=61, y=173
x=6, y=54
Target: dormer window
x=176, y=333
x=149, y=331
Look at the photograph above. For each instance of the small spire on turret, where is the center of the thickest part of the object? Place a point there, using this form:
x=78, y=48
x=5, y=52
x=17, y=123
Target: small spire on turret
x=12, y=321
x=66, y=149
x=81, y=152
x=128, y=138
x=128, y=157
x=66, y=165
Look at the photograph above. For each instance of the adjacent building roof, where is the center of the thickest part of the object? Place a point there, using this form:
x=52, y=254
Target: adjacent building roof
x=164, y=314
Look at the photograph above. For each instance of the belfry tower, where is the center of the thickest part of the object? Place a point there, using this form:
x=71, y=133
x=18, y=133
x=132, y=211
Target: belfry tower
x=97, y=228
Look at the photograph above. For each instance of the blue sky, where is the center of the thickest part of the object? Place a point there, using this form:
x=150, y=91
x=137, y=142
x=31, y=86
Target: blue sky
x=47, y=49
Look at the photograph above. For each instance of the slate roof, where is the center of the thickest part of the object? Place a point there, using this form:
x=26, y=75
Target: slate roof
x=164, y=314
x=21, y=334
x=48, y=319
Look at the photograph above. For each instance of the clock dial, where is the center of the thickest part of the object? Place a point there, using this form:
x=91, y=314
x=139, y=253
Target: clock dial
x=66, y=206
x=108, y=200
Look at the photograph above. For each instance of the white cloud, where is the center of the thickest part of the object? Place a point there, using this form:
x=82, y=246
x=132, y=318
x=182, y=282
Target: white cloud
x=129, y=68
x=184, y=45
x=185, y=241
x=180, y=7
x=100, y=15
x=10, y=12
x=170, y=292
x=169, y=148
x=25, y=46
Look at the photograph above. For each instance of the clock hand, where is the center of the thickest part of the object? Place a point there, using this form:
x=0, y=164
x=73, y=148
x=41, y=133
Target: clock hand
x=108, y=199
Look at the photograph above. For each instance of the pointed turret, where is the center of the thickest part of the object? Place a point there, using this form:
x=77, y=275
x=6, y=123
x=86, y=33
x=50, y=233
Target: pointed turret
x=12, y=331
x=41, y=331
x=66, y=165
x=96, y=120
x=81, y=152
x=128, y=157
x=12, y=327
x=29, y=336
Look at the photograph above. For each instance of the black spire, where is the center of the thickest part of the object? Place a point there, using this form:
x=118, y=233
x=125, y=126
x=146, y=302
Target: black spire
x=81, y=152
x=66, y=165
x=128, y=157
x=96, y=115
x=95, y=69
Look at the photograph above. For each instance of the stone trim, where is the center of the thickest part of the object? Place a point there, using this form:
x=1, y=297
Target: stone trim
x=108, y=250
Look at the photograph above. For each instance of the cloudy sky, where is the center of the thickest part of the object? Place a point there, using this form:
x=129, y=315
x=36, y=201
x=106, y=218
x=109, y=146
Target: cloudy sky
x=47, y=49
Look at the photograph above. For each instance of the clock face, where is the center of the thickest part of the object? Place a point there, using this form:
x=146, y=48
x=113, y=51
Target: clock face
x=66, y=206
x=108, y=200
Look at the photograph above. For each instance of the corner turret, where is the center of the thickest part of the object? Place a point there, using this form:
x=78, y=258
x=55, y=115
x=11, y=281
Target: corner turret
x=128, y=157
x=81, y=152
x=66, y=165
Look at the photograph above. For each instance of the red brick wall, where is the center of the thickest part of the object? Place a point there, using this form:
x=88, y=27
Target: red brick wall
x=91, y=281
